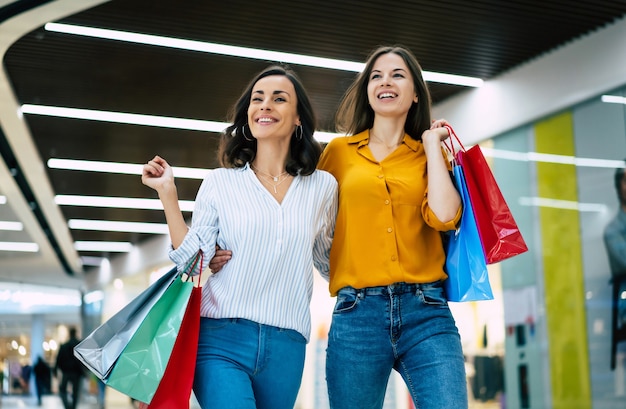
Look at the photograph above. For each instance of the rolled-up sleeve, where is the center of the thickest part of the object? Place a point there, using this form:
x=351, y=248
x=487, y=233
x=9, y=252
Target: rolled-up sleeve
x=324, y=239
x=203, y=232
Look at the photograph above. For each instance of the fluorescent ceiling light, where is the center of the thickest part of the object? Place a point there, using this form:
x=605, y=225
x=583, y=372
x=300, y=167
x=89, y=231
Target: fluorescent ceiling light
x=127, y=227
x=95, y=166
x=125, y=168
x=13, y=226
x=19, y=246
x=112, y=246
x=563, y=204
x=92, y=261
x=614, y=99
x=125, y=118
x=3, y=199
x=117, y=202
x=139, y=119
x=550, y=158
x=244, y=52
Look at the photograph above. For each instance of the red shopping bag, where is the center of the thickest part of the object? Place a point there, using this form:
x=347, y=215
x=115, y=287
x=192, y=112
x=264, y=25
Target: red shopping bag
x=174, y=390
x=499, y=234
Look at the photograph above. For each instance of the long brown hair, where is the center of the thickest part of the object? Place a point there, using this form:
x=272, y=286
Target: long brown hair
x=355, y=115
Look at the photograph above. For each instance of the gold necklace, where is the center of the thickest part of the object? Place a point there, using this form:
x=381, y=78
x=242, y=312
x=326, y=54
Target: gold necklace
x=274, y=181
x=382, y=142
x=275, y=178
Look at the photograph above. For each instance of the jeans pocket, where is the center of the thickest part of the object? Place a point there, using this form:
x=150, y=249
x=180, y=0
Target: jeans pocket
x=293, y=335
x=346, y=301
x=433, y=295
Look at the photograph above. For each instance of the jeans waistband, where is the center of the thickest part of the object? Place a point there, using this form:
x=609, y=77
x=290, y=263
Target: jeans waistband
x=395, y=288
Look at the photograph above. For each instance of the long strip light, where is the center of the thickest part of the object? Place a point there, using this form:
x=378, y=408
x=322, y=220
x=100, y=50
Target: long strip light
x=563, y=204
x=117, y=167
x=551, y=158
x=110, y=246
x=125, y=118
x=234, y=51
x=140, y=119
x=614, y=99
x=19, y=246
x=127, y=227
x=12, y=226
x=117, y=202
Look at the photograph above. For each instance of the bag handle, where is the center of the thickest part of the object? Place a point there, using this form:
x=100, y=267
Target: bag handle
x=453, y=134
x=192, y=265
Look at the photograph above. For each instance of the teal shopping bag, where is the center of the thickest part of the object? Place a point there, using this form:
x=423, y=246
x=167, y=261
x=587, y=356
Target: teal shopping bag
x=465, y=261
x=141, y=365
x=100, y=349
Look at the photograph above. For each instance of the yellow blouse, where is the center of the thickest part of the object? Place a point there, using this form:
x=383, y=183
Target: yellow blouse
x=385, y=231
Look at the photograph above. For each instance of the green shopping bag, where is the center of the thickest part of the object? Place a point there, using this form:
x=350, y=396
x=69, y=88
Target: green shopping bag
x=142, y=363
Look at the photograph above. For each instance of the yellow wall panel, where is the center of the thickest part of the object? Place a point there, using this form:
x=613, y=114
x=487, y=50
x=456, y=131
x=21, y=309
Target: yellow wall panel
x=562, y=266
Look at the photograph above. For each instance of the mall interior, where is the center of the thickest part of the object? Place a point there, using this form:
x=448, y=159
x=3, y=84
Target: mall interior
x=553, y=130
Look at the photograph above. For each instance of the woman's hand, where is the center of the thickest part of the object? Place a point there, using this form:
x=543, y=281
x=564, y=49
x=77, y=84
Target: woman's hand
x=437, y=132
x=157, y=174
x=220, y=259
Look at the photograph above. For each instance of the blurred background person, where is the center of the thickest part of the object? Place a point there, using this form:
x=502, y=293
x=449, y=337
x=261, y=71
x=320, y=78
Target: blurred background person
x=43, y=375
x=71, y=371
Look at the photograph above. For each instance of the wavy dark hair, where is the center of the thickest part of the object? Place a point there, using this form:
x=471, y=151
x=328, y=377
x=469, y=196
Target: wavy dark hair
x=355, y=115
x=236, y=148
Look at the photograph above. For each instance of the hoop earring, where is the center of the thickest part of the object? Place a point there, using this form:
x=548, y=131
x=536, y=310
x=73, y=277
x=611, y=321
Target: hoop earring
x=299, y=135
x=243, y=131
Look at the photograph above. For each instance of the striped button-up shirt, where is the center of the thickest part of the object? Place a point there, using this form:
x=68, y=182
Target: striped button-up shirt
x=269, y=278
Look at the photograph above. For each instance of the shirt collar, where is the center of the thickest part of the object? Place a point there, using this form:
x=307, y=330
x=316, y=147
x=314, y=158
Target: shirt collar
x=362, y=138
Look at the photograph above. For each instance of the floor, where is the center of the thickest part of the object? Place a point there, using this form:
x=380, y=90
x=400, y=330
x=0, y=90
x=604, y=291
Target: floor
x=53, y=402
x=120, y=402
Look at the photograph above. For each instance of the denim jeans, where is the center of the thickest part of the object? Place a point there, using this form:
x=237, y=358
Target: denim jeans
x=245, y=365
x=406, y=327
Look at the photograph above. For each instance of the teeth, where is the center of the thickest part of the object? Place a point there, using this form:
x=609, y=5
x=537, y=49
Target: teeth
x=386, y=95
x=265, y=120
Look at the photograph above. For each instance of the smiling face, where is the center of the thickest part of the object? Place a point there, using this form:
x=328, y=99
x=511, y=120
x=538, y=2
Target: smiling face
x=273, y=109
x=390, y=88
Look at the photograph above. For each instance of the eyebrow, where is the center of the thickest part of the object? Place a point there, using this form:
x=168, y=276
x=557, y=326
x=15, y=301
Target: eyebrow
x=273, y=93
x=394, y=70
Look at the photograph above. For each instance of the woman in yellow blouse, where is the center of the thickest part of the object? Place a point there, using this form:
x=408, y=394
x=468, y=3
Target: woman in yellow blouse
x=387, y=257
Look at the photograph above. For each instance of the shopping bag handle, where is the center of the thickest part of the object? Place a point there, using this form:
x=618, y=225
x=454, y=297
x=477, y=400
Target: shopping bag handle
x=192, y=265
x=453, y=134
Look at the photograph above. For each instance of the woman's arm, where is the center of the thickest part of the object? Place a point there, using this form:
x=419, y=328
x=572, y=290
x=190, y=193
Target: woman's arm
x=158, y=175
x=443, y=198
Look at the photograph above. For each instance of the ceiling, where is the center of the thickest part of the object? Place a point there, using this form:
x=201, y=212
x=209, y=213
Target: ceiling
x=482, y=38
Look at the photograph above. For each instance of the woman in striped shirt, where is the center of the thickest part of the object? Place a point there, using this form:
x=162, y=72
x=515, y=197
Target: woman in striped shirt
x=277, y=213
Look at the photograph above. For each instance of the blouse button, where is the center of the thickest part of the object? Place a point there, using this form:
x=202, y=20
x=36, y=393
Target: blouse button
x=380, y=176
x=389, y=230
x=387, y=201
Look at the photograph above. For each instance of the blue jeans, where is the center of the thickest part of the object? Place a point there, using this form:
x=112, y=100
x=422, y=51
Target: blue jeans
x=406, y=327
x=245, y=365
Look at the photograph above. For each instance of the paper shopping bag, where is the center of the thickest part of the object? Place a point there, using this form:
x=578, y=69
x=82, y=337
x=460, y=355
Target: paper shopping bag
x=465, y=264
x=100, y=349
x=174, y=390
x=141, y=365
x=499, y=235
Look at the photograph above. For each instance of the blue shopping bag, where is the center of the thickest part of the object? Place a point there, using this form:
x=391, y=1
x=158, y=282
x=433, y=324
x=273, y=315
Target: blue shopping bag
x=465, y=265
